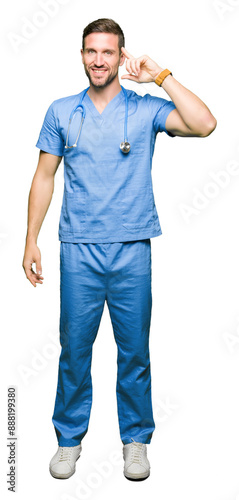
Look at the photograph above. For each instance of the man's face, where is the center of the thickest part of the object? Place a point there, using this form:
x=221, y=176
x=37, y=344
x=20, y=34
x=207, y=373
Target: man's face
x=101, y=58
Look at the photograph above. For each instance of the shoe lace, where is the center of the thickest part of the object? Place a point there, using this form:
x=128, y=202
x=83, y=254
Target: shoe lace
x=136, y=451
x=65, y=453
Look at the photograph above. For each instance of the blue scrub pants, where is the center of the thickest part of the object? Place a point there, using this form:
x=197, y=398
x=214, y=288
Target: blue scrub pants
x=120, y=274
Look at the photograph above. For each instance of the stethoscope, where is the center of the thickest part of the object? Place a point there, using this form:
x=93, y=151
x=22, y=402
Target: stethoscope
x=124, y=146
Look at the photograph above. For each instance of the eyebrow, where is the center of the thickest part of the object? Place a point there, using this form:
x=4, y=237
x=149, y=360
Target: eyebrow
x=91, y=48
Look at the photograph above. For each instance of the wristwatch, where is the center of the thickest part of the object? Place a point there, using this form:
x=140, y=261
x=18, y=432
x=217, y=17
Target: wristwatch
x=160, y=78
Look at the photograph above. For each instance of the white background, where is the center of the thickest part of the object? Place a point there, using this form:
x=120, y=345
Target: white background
x=194, y=337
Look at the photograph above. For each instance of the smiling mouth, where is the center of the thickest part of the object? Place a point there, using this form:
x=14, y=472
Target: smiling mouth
x=98, y=71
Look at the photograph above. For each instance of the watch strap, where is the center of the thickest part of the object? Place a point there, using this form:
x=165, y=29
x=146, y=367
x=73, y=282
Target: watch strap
x=160, y=78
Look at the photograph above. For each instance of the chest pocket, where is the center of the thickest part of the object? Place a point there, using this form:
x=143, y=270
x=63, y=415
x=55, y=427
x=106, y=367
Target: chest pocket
x=136, y=133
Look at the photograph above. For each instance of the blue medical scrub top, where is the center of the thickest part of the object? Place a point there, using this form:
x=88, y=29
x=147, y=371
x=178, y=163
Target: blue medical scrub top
x=108, y=195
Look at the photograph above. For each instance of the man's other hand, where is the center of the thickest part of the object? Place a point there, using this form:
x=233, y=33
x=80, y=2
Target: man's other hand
x=32, y=256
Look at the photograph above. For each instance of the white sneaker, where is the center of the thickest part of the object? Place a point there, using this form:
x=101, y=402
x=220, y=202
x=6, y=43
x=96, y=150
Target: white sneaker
x=62, y=465
x=136, y=465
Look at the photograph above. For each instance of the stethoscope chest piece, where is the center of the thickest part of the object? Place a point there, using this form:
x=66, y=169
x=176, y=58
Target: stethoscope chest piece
x=125, y=147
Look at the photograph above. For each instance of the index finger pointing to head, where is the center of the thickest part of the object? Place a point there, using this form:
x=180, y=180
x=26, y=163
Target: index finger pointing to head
x=126, y=53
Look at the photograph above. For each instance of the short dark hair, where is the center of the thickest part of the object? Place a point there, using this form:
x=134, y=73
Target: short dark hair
x=104, y=26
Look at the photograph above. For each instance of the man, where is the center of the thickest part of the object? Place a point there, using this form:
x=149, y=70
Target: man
x=107, y=135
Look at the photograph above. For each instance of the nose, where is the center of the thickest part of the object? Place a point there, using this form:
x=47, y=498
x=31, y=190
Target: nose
x=99, y=59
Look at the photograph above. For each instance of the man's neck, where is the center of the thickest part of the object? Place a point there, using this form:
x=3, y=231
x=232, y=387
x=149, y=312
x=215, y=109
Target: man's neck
x=102, y=96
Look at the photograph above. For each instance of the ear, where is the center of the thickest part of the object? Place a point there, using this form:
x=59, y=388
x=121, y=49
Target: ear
x=122, y=59
x=82, y=54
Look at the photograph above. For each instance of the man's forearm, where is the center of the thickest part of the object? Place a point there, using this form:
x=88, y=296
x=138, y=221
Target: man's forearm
x=193, y=113
x=39, y=200
x=191, y=108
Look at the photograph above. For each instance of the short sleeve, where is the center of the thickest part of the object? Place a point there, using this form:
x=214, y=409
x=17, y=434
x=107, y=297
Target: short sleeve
x=50, y=139
x=160, y=109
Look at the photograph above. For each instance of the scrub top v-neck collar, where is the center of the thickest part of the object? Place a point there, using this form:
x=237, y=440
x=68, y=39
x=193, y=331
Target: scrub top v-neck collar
x=109, y=108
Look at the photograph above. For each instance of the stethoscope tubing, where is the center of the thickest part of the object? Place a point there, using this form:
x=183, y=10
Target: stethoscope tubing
x=125, y=146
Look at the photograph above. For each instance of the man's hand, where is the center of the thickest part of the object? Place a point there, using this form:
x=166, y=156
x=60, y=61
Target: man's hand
x=141, y=69
x=32, y=255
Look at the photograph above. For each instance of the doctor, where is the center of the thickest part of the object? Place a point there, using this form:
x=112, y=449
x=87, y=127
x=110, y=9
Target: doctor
x=106, y=134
